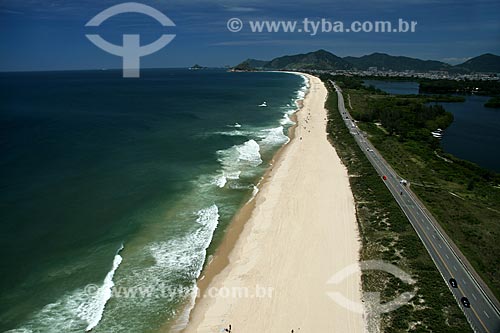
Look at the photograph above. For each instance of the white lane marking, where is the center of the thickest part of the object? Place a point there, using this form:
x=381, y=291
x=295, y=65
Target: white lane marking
x=463, y=281
x=440, y=246
x=475, y=298
x=486, y=314
x=447, y=256
x=455, y=267
x=428, y=228
x=433, y=236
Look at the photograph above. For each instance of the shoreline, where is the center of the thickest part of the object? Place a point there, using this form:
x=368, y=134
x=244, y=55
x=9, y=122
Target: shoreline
x=222, y=259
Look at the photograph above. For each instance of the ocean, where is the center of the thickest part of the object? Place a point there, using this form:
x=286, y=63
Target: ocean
x=114, y=191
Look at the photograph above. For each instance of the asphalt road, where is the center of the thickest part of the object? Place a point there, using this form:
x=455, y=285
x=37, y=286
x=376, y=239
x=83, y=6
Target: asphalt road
x=483, y=315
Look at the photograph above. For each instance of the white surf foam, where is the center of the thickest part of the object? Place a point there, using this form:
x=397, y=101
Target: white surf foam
x=93, y=310
x=274, y=137
x=301, y=93
x=76, y=311
x=286, y=121
x=187, y=254
x=221, y=180
x=249, y=152
x=291, y=108
x=232, y=133
x=255, y=190
x=237, y=160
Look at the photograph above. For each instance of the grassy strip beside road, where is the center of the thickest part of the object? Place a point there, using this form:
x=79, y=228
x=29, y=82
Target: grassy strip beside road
x=387, y=235
x=462, y=196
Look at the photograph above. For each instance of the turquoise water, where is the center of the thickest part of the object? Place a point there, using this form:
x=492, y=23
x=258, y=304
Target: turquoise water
x=474, y=134
x=127, y=182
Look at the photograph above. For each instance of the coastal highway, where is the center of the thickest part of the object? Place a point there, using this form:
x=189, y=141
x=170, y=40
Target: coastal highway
x=483, y=314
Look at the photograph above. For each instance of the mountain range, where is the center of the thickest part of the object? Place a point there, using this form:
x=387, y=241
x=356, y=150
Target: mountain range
x=325, y=60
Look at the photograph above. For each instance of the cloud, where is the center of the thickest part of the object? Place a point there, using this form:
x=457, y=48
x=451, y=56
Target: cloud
x=9, y=11
x=455, y=61
x=239, y=9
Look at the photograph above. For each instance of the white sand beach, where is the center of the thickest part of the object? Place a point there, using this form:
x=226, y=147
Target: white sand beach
x=301, y=231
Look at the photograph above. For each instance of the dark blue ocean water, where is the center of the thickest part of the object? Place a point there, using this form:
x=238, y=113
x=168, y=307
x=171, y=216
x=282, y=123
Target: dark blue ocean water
x=110, y=180
x=474, y=134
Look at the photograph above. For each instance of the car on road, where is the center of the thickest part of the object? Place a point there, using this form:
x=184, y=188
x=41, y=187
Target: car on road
x=453, y=283
x=465, y=302
x=384, y=177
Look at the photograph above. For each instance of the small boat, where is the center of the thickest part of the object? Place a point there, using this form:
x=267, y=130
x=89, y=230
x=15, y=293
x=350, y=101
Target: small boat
x=264, y=104
x=237, y=125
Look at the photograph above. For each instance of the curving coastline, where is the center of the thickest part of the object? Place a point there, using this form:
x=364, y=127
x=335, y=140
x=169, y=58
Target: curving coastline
x=286, y=243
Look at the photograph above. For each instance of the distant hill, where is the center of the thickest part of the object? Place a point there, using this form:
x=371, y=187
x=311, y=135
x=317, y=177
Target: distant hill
x=484, y=63
x=320, y=59
x=250, y=64
x=325, y=60
x=396, y=63
x=256, y=63
x=196, y=66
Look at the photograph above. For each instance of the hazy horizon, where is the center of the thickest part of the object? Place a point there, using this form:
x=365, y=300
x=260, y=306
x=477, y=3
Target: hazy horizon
x=40, y=36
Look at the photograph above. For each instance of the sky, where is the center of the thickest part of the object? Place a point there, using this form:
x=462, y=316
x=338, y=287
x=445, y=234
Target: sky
x=50, y=34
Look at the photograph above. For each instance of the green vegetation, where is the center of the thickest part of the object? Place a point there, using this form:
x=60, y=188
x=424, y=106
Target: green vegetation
x=494, y=102
x=396, y=63
x=324, y=60
x=444, y=99
x=245, y=66
x=406, y=117
x=196, y=66
x=250, y=65
x=486, y=88
x=484, y=63
x=441, y=89
x=387, y=235
x=472, y=194
x=320, y=59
